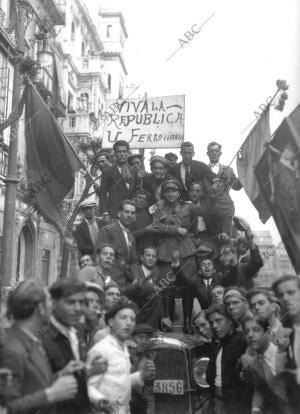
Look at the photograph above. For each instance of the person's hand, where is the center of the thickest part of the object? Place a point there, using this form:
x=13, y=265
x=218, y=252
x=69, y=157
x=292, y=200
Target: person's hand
x=97, y=366
x=224, y=237
x=166, y=325
x=103, y=407
x=152, y=228
x=182, y=231
x=71, y=367
x=149, y=370
x=97, y=189
x=175, y=255
x=64, y=388
x=141, y=173
x=246, y=360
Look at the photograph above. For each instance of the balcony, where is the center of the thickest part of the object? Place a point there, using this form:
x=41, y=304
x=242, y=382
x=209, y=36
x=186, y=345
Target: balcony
x=89, y=64
x=7, y=34
x=56, y=9
x=80, y=125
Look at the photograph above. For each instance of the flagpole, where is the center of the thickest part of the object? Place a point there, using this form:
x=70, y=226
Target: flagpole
x=9, y=219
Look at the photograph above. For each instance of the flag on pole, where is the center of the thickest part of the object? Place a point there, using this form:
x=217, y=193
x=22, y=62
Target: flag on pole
x=51, y=161
x=247, y=159
x=278, y=174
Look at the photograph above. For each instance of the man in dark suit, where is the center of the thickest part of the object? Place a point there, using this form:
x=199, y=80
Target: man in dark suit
x=221, y=204
x=118, y=235
x=63, y=343
x=207, y=279
x=86, y=233
x=143, y=291
x=34, y=387
x=189, y=170
x=118, y=183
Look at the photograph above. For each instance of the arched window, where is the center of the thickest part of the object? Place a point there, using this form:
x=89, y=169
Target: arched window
x=82, y=49
x=108, y=30
x=25, y=260
x=73, y=31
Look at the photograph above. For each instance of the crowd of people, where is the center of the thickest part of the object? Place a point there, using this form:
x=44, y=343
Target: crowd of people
x=78, y=346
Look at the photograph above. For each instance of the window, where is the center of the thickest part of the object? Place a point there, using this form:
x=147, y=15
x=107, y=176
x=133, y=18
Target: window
x=82, y=49
x=72, y=122
x=45, y=265
x=108, y=30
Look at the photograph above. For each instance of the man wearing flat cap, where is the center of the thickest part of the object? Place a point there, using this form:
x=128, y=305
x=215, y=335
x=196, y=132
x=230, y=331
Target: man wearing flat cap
x=171, y=159
x=152, y=182
x=86, y=232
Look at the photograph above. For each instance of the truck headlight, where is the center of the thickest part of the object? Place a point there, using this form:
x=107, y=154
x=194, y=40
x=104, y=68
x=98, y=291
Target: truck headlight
x=199, y=372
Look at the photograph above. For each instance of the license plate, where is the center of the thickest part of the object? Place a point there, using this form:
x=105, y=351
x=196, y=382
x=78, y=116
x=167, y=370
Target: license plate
x=174, y=387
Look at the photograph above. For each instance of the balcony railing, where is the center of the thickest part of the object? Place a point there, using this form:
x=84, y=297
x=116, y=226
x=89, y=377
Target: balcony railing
x=3, y=160
x=56, y=10
x=4, y=27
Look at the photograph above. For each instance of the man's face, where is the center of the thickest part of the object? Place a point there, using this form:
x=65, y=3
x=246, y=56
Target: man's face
x=214, y=153
x=88, y=212
x=106, y=258
x=141, y=339
x=159, y=170
x=235, y=307
x=256, y=337
x=122, y=324
x=128, y=215
x=136, y=163
x=141, y=201
x=172, y=163
x=102, y=162
x=261, y=306
x=85, y=260
x=203, y=327
x=220, y=325
x=187, y=155
x=217, y=294
x=149, y=258
x=171, y=195
x=288, y=294
x=207, y=268
x=93, y=305
x=121, y=154
x=111, y=296
x=68, y=310
x=196, y=193
x=241, y=248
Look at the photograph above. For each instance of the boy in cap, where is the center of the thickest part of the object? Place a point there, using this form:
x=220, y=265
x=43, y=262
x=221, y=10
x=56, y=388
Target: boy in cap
x=152, y=182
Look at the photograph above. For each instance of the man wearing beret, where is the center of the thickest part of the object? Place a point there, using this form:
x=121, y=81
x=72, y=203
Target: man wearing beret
x=86, y=232
x=152, y=182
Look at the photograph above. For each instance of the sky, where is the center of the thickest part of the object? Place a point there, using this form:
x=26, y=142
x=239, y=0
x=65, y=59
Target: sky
x=225, y=72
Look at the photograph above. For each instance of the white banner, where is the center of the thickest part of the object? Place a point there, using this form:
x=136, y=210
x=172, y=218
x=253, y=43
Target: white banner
x=145, y=123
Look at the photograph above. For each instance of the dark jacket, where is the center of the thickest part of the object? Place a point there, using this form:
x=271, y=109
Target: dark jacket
x=83, y=238
x=199, y=172
x=220, y=202
x=203, y=293
x=113, y=190
x=59, y=352
x=142, y=237
x=151, y=184
x=125, y=269
x=31, y=374
x=234, y=346
x=242, y=274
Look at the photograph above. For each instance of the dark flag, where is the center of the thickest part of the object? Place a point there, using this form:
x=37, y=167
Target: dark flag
x=278, y=174
x=51, y=160
x=247, y=159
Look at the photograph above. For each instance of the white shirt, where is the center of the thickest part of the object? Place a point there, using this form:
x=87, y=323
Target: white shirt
x=215, y=168
x=116, y=383
x=183, y=169
x=218, y=379
x=146, y=271
x=71, y=334
x=269, y=357
x=125, y=232
x=207, y=282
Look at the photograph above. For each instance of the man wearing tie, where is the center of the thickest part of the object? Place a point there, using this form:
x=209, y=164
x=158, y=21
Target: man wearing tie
x=119, y=182
x=189, y=170
x=220, y=202
x=120, y=238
